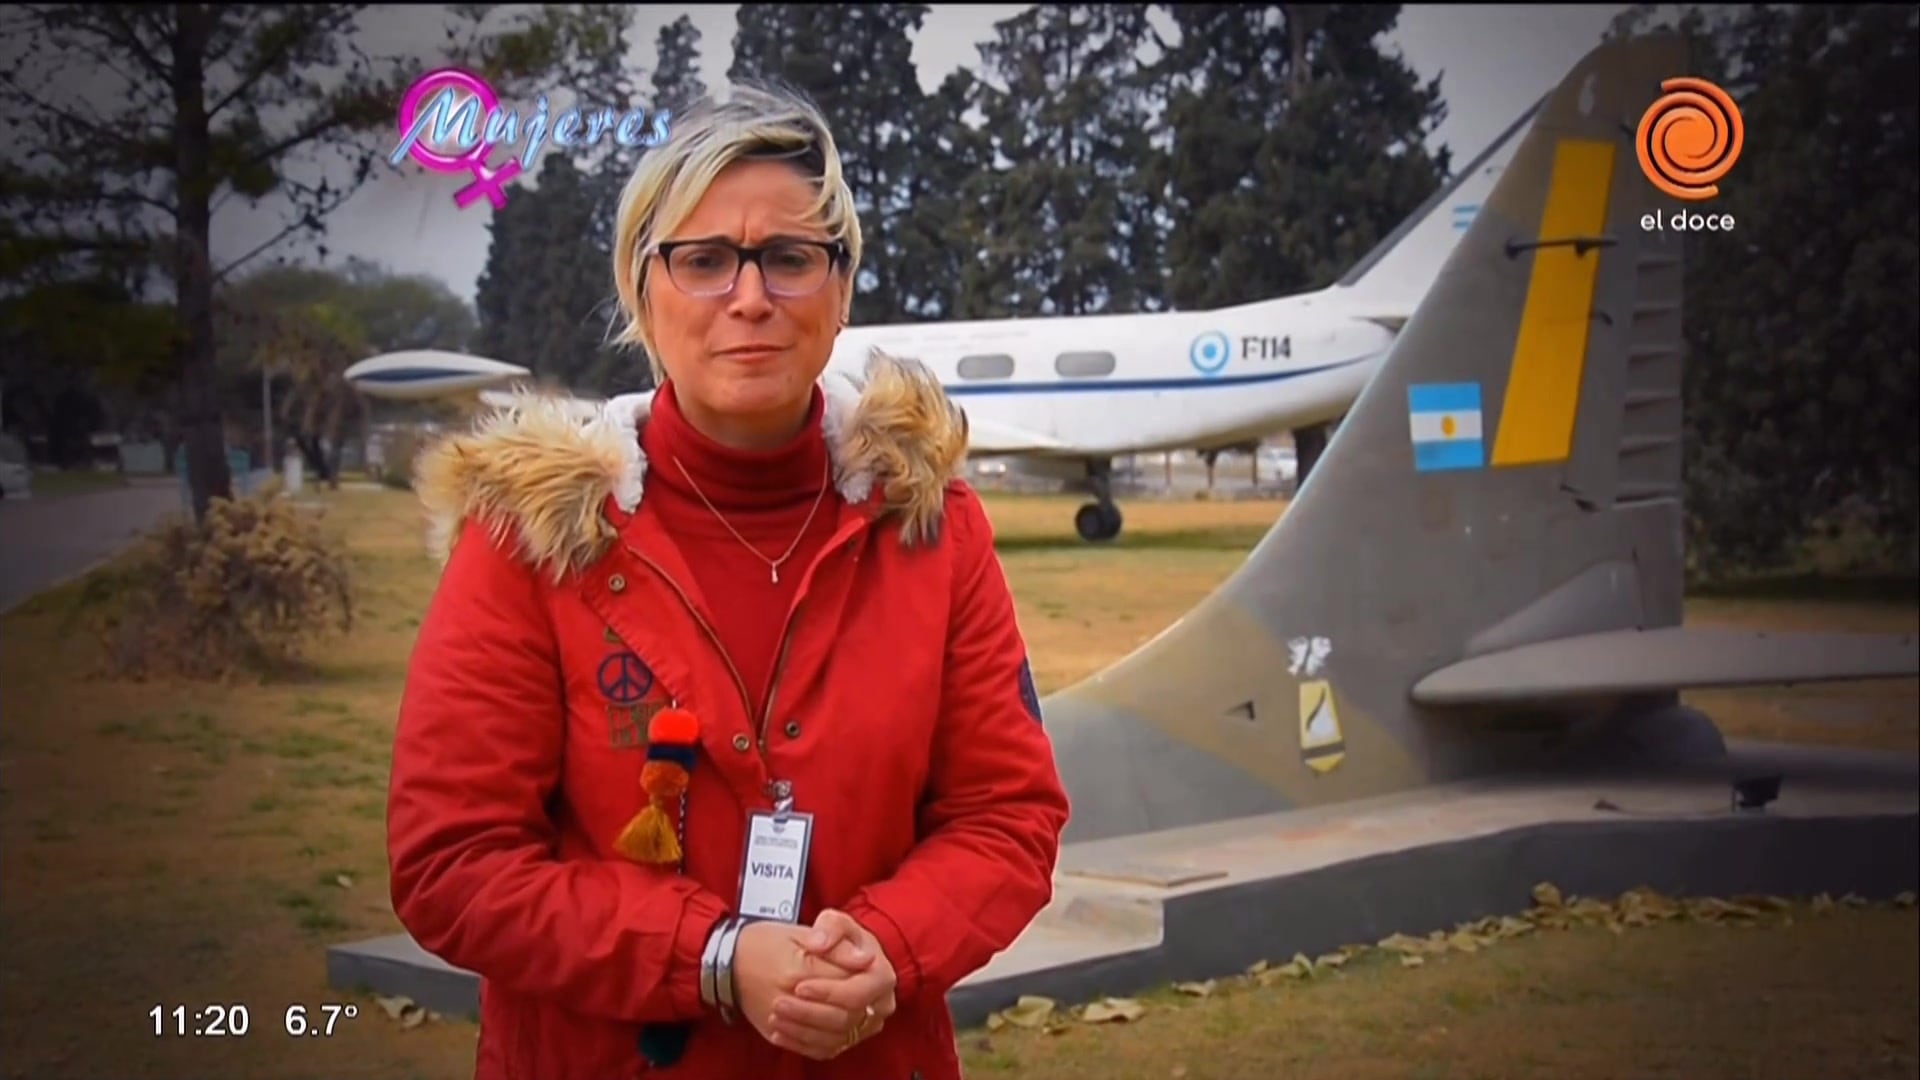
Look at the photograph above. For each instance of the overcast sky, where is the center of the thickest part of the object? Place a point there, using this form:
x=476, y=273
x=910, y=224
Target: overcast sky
x=1492, y=60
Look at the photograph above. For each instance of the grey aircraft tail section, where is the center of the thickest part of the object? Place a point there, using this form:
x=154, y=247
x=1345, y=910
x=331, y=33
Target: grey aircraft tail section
x=1486, y=567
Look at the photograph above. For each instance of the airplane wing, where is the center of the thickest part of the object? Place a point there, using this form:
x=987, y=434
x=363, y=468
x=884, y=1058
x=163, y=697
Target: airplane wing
x=988, y=439
x=1678, y=657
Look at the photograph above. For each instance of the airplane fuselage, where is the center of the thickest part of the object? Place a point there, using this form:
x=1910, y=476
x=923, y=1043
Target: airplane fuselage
x=1107, y=385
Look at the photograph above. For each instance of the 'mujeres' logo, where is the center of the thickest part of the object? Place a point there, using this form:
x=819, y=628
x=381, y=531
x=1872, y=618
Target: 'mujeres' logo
x=451, y=120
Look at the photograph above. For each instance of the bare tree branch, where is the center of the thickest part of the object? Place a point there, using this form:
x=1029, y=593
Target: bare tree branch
x=311, y=219
x=330, y=120
x=149, y=98
x=323, y=22
x=51, y=196
x=264, y=246
x=91, y=129
x=128, y=38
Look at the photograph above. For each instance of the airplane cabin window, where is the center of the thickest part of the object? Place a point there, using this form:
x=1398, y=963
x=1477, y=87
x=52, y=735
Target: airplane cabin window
x=1084, y=364
x=991, y=366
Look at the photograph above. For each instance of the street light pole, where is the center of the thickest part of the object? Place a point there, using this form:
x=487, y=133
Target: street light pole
x=266, y=411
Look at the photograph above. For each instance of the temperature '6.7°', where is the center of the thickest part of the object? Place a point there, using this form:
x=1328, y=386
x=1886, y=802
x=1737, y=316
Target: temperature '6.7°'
x=300, y=1025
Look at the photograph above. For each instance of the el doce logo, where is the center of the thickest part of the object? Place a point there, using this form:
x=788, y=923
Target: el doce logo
x=1690, y=138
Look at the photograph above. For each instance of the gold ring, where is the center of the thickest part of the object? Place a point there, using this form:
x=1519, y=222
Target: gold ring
x=859, y=1030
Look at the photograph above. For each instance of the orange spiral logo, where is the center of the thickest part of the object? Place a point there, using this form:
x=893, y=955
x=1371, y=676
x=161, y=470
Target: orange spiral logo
x=1690, y=138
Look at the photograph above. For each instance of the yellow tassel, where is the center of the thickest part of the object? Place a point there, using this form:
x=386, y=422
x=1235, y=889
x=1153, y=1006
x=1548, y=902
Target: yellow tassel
x=649, y=838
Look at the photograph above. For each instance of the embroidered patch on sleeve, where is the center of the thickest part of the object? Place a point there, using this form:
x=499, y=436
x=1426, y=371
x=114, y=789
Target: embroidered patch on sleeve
x=1028, y=692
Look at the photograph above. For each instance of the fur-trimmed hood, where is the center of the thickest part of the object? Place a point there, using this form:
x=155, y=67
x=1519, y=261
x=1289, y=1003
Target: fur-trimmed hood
x=540, y=468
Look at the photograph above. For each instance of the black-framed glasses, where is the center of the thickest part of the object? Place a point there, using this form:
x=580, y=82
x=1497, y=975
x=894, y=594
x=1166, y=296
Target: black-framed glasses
x=790, y=268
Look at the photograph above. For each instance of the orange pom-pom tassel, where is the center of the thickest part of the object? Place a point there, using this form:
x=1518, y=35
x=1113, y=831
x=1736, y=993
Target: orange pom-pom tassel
x=663, y=780
x=649, y=838
x=673, y=727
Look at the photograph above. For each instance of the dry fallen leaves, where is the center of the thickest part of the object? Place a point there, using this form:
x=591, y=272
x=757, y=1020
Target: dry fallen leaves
x=1552, y=910
x=408, y=1012
x=1110, y=1009
x=1031, y=1011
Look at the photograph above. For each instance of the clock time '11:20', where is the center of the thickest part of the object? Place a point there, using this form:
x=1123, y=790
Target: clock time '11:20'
x=204, y=1021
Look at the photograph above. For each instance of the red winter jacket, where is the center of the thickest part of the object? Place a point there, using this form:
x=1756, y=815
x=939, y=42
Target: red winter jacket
x=903, y=713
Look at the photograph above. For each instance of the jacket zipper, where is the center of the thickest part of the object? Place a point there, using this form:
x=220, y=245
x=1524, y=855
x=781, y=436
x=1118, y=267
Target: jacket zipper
x=786, y=640
x=779, y=665
x=739, y=681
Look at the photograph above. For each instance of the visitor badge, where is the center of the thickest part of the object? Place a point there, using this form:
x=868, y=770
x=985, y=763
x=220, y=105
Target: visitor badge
x=776, y=866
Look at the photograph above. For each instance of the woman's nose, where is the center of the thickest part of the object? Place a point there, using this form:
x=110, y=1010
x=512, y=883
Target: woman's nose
x=750, y=288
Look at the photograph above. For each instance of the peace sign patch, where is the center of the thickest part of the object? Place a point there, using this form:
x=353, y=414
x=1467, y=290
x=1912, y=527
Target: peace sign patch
x=624, y=678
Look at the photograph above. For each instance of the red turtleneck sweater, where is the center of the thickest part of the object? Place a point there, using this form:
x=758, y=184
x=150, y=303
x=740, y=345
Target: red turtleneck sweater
x=766, y=496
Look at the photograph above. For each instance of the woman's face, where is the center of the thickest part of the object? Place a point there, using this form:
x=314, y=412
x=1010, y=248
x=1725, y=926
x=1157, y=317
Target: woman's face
x=744, y=363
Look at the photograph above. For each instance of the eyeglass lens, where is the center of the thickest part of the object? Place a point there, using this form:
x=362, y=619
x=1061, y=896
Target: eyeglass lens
x=709, y=269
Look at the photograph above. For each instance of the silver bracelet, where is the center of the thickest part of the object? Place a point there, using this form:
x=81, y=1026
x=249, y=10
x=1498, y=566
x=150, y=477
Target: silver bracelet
x=709, y=960
x=723, y=971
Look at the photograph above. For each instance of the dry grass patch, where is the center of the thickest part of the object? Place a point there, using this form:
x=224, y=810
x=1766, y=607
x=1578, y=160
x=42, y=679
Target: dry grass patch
x=1784, y=996
x=1879, y=714
x=172, y=842
x=184, y=842
x=1084, y=606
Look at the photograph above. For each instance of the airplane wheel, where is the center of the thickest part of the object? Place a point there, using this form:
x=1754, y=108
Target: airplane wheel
x=1095, y=522
x=1090, y=523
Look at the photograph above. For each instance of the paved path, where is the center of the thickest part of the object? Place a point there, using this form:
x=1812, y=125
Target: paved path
x=46, y=541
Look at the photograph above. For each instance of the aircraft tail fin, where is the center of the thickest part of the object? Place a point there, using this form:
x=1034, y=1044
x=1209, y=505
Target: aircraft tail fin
x=1389, y=281
x=1458, y=585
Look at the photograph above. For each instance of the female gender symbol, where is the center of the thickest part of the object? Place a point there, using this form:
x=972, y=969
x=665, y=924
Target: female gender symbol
x=487, y=180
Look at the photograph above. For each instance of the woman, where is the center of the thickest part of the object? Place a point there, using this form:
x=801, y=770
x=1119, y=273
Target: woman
x=741, y=647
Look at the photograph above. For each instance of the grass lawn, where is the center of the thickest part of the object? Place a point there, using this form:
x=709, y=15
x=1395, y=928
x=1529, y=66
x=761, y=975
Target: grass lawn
x=54, y=484
x=186, y=844
x=1791, y=995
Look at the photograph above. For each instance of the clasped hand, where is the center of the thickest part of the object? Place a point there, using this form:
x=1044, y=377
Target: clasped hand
x=817, y=990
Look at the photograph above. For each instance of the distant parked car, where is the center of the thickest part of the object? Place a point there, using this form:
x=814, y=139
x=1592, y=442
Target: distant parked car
x=16, y=481
x=1281, y=462
x=16, y=477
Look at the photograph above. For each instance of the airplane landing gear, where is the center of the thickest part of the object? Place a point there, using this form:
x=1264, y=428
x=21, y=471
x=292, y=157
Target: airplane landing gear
x=1308, y=444
x=1099, y=521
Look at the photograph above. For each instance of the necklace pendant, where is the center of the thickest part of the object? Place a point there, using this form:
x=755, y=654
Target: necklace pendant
x=775, y=571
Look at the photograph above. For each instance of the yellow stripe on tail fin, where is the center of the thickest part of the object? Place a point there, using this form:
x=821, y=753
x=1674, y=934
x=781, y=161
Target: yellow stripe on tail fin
x=1549, y=356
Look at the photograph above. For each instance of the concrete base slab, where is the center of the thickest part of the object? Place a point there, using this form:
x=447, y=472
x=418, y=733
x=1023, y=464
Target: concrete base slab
x=396, y=966
x=1195, y=903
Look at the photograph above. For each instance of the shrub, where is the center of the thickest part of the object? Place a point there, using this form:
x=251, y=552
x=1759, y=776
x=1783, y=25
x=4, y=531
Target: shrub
x=401, y=448
x=243, y=592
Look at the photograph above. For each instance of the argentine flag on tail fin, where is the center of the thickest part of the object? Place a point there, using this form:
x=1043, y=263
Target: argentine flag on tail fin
x=1445, y=423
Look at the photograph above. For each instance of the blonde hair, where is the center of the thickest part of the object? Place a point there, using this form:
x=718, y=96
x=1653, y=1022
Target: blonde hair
x=759, y=120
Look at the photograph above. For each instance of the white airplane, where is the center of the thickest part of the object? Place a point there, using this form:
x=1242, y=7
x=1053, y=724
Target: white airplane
x=1063, y=396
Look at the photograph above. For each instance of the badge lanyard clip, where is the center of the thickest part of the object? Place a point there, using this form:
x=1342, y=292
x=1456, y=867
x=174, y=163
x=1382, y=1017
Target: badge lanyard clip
x=773, y=869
